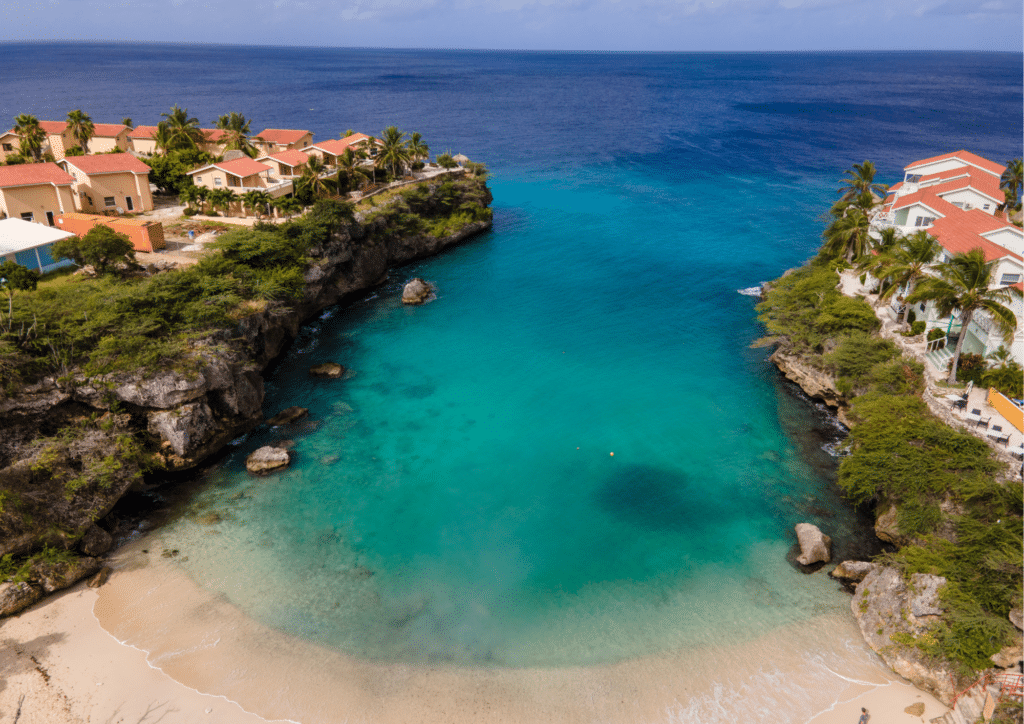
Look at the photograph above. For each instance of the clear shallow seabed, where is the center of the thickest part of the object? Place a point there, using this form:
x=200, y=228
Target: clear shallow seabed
x=455, y=500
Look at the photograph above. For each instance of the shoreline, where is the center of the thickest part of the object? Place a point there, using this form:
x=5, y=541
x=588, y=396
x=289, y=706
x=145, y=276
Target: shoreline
x=174, y=644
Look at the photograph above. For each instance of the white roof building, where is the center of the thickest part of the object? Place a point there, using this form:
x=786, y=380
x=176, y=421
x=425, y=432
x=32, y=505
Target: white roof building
x=29, y=244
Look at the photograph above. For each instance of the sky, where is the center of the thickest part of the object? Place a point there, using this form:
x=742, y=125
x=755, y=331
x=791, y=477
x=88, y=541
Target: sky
x=652, y=25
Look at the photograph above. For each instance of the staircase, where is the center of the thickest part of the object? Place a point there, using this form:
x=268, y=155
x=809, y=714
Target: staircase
x=940, y=358
x=979, y=701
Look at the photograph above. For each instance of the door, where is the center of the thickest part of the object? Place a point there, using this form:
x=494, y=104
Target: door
x=49, y=218
x=130, y=204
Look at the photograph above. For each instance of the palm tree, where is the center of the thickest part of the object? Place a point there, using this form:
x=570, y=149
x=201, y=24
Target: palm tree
x=126, y=121
x=370, y=150
x=183, y=131
x=1011, y=183
x=418, y=150
x=82, y=128
x=32, y=136
x=1001, y=357
x=964, y=286
x=236, y=134
x=256, y=200
x=348, y=164
x=287, y=205
x=190, y=194
x=861, y=181
x=846, y=237
x=222, y=199
x=311, y=180
x=906, y=264
x=393, y=152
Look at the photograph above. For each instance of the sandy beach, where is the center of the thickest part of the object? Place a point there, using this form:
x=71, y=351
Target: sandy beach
x=190, y=656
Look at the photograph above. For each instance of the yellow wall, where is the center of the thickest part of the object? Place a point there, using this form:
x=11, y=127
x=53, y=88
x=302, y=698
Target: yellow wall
x=36, y=200
x=9, y=139
x=94, y=190
x=59, y=143
x=143, y=145
x=1013, y=414
x=102, y=145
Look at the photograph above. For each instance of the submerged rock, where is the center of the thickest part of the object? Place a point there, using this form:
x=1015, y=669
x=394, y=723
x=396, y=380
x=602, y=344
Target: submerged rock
x=331, y=370
x=417, y=291
x=290, y=415
x=815, y=546
x=267, y=459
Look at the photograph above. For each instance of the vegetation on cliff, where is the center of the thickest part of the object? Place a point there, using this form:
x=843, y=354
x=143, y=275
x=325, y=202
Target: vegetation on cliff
x=955, y=515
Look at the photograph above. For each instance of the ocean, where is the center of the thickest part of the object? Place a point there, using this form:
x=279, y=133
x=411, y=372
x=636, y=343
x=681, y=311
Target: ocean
x=572, y=457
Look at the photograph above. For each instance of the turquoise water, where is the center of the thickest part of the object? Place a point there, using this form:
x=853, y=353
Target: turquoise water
x=467, y=461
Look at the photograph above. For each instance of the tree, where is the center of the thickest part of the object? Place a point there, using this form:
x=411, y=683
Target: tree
x=905, y=265
x=287, y=206
x=348, y=164
x=82, y=128
x=126, y=122
x=1001, y=357
x=15, y=277
x=331, y=213
x=236, y=134
x=393, y=152
x=222, y=199
x=162, y=136
x=1011, y=182
x=101, y=246
x=418, y=150
x=256, y=200
x=846, y=237
x=170, y=171
x=183, y=130
x=311, y=184
x=861, y=181
x=191, y=194
x=445, y=160
x=964, y=286
x=32, y=136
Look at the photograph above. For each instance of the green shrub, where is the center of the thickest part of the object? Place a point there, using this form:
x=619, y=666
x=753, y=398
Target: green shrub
x=969, y=368
x=857, y=354
x=935, y=333
x=911, y=317
x=917, y=328
x=189, y=211
x=1009, y=380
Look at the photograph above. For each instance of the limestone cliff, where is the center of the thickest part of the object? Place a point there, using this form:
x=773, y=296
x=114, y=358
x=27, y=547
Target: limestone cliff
x=70, y=448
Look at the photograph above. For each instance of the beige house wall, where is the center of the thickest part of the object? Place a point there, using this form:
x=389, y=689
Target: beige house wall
x=299, y=145
x=36, y=200
x=214, y=178
x=143, y=145
x=93, y=191
x=13, y=141
x=106, y=143
x=59, y=143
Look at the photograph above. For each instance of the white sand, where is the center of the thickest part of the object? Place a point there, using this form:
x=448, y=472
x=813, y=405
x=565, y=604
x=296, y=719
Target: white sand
x=818, y=671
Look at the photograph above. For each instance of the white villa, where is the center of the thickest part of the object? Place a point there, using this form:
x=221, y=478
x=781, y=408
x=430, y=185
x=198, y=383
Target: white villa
x=955, y=198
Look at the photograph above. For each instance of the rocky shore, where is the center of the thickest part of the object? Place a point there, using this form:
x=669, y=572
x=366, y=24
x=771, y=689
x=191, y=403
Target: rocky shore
x=71, y=447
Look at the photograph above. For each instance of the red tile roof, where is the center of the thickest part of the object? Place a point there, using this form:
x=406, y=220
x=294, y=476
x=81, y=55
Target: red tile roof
x=291, y=157
x=980, y=181
x=53, y=128
x=929, y=199
x=964, y=156
x=241, y=167
x=31, y=174
x=107, y=130
x=142, y=132
x=284, y=136
x=107, y=163
x=962, y=232
x=336, y=146
x=213, y=135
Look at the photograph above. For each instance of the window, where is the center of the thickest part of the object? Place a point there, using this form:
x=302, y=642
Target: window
x=924, y=221
x=129, y=203
x=913, y=178
x=217, y=180
x=199, y=179
x=8, y=147
x=109, y=201
x=986, y=206
x=1008, y=279
x=28, y=216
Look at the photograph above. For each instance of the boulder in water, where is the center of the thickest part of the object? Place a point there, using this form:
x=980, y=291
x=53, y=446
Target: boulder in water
x=417, y=291
x=290, y=415
x=331, y=370
x=815, y=546
x=852, y=570
x=267, y=459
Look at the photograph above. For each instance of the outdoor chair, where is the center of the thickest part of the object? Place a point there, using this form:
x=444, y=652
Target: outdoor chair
x=997, y=434
x=977, y=419
x=959, y=402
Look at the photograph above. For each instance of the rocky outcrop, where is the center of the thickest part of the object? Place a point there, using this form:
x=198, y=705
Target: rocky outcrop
x=417, y=291
x=852, y=571
x=817, y=384
x=329, y=370
x=95, y=542
x=887, y=527
x=815, y=546
x=890, y=611
x=44, y=577
x=267, y=459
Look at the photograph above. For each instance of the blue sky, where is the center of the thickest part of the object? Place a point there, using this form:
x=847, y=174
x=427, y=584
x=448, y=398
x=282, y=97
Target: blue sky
x=532, y=24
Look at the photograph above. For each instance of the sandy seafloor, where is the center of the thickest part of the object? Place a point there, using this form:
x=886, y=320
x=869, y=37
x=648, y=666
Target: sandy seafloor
x=150, y=640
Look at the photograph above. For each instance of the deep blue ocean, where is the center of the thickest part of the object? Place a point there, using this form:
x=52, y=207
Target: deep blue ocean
x=457, y=498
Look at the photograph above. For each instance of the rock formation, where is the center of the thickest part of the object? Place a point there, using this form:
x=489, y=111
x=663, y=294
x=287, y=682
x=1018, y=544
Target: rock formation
x=886, y=606
x=331, y=370
x=852, y=570
x=288, y=416
x=815, y=546
x=267, y=459
x=417, y=291
x=817, y=384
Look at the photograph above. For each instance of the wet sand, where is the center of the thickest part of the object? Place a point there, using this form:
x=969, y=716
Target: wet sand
x=194, y=657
